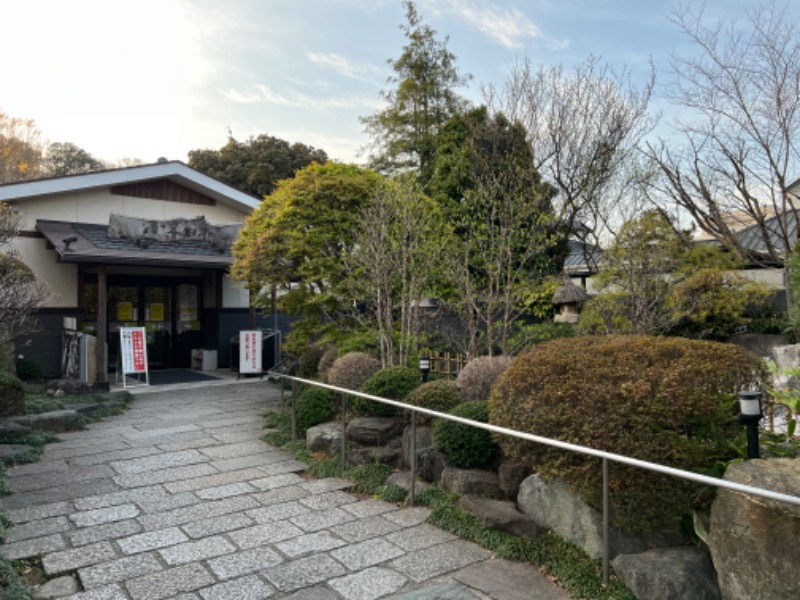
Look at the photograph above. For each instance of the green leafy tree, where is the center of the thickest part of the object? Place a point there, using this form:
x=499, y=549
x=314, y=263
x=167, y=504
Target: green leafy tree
x=654, y=280
x=510, y=240
x=400, y=258
x=255, y=166
x=421, y=99
x=68, y=159
x=297, y=240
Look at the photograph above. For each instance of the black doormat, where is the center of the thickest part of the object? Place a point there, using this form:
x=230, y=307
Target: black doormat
x=171, y=376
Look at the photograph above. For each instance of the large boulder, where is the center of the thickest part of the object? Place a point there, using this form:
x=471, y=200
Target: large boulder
x=326, y=438
x=668, y=573
x=374, y=431
x=430, y=464
x=753, y=540
x=499, y=514
x=471, y=481
x=510, y=475
x=368, y=456
x=553, y=505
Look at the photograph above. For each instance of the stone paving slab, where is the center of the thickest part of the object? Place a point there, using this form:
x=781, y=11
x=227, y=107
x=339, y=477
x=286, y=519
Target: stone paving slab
x=179, y=498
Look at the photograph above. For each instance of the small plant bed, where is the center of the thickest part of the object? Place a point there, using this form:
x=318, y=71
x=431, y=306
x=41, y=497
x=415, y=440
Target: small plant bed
x=559, y=560
x=562, y=562
x=17, y=578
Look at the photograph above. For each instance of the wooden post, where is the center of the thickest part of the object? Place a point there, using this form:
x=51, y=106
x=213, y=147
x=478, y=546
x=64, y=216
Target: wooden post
x=102, y=324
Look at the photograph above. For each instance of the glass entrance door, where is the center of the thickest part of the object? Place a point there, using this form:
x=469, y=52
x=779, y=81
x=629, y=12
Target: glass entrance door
x=157, y=322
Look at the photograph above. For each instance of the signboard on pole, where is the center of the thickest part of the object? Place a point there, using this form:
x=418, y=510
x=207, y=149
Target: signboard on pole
x=133, y=351
x=250, y=351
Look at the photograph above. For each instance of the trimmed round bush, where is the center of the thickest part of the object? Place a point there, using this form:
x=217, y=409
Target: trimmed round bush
x=440, y=395
x=326, y=362
x=464, y=446
x=664, y=400
x=352, y=370
x=314, y=406
x=393, y=383
x=479, y=375
x=12, y=395
x=308, y=362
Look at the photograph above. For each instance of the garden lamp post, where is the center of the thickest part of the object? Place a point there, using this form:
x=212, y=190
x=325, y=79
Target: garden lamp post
x=750, y=414
x=424, y=367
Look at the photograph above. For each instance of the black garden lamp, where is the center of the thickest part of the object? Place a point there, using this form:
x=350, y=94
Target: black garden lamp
x=424, y=367
x=750, y=414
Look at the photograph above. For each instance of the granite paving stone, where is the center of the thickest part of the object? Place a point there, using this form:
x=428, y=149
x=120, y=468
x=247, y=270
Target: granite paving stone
x=252, y=460
x=259, y=535
x=319, y=592
x=304, y=572
x=86, y=448
x=132, y=480
x=95, y=459
x=32, y=547
x=215, y=525
x=275, y=481
x=198, y=442
x=104, y=515
x=322, y=519
x=39, y=481
x=34, y=513
x=108, y=592
x=285, y=466
x=225, y=491
x=69, y=560
x=160, y=461
x=437, y=560
x=205, y=510
x=366, y=554
x=195, y=550
x=168, y=502
x=37, y=529
x=151, y=540
x=372, y=583
x=99, y=533
x=238, y=449
x=330, y=484
x=370, y=508
x=312, y=543
x=364, y=529
x=119, y=570
x=410, y=516
x=245, y=588
x=228, y=421
x=121, y=497
x=215, y=480
x=67, y=492
x=419, y=537
x=170, y=582
x=328, y=500
x=244, y=562
x=38, y=467
x=277, y=512
x=281, y=494
x=151, y=433
x=233, y=437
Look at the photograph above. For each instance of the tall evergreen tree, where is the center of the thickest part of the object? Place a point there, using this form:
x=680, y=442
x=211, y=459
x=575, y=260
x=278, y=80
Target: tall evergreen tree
x=421, y=98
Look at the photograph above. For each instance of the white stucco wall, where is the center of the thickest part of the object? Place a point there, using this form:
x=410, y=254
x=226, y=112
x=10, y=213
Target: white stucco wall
x=62, y=278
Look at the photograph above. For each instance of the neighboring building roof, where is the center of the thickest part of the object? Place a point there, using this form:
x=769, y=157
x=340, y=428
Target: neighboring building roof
x=174, y=171
x=582, y=258
x=88, y=242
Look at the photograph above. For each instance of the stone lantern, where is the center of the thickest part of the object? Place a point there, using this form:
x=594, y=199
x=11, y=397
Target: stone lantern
x=567, y=300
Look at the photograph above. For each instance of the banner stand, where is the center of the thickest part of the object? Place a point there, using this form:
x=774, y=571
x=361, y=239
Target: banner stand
x=250, y=353
x=133, y=352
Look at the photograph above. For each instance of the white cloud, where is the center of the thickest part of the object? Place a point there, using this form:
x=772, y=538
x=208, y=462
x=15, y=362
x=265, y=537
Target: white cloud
x=507, y=27
x=264, y=94
x=342, y=65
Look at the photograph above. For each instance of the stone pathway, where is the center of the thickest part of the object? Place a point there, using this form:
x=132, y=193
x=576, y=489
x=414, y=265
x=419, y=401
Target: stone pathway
x=179, y=498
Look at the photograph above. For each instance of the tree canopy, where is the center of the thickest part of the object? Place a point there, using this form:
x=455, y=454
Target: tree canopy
x=421, y=98
x=256, y=165
x=68, y=159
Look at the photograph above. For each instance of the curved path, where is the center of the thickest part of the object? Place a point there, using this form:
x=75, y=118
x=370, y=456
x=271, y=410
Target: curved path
x=179, y=498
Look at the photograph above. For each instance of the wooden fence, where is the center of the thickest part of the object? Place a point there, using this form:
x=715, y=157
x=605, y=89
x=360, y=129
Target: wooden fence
x=446, y=364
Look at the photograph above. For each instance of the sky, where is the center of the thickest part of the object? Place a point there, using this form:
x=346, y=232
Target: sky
x=157, y=78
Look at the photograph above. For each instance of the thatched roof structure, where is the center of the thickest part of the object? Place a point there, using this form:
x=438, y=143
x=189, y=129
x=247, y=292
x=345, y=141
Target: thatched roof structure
x=569, y=293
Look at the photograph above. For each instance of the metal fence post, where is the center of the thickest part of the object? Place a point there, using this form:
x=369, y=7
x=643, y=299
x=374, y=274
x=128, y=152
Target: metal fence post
x=344, y=430
x=413, y=455
x=294, y=410
x=605, y=521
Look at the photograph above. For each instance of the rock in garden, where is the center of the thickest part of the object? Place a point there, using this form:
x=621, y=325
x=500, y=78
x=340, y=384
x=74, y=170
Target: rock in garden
x=68, y=387
x=56, y=588
x=12, y=429
x=753, y=541
x=403, y=479
x=510, y=474
x=500, y=514
x=366, y=456
x=326, y=437
x=11, y=450
x=374, y=431
x=424, y=440
x=668, y=573
x=471, y=481
x=430, y=464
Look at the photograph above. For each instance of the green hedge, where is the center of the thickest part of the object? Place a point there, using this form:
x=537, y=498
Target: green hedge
x=463, y=445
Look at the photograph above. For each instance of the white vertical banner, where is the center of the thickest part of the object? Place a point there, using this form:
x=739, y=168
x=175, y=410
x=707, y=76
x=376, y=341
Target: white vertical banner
x=250, y=351
x=133, y=350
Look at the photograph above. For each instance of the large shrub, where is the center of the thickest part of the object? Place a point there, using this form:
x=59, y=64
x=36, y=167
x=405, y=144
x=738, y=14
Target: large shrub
x=463, y=445
x=28, y=370
x=393, y=383
x=314, y=406
x=479, y=375
x=439, y=395
x=326, y=362
x=12, y=395
x=352, y=370
x=654, y=398
x=308, y=362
